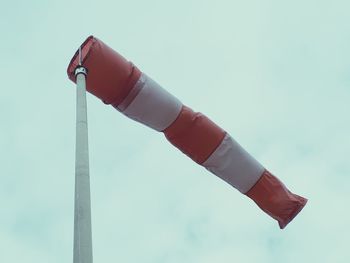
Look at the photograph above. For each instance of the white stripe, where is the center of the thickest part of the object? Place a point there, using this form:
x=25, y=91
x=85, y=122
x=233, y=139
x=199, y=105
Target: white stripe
x=153, y=105
x=234, y=165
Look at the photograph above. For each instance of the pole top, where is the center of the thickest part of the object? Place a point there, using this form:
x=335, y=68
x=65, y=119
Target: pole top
x=80, y=70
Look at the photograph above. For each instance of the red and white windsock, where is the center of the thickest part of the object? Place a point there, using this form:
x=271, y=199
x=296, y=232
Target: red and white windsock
x=118, y=82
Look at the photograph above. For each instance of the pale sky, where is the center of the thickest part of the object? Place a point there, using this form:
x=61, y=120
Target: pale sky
x=275, y=74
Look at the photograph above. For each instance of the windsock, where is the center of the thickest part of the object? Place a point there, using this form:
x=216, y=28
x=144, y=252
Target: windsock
x=121, y=84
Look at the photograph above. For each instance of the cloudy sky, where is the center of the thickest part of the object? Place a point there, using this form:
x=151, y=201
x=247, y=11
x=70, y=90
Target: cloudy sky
x=275, y=74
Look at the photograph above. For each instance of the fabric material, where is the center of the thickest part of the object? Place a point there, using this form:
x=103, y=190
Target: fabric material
x=110, y=76
x=131, y=95
x=273, y=197
x=194, y=134
x=118, y=82
x=234, y=165
x=153, y=105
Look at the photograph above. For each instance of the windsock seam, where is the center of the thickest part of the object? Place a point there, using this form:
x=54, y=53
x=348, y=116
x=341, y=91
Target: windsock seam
x=131, y=95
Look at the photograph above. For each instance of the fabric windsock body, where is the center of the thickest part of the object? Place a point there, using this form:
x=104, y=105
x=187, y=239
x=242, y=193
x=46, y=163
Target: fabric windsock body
x=121, y=84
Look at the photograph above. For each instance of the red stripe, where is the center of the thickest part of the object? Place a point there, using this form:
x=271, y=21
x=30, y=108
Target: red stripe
x=110, y=76
x=273, y=197
x=194, y=134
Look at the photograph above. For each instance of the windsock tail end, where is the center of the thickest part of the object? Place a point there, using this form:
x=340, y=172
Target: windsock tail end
x=273, y=197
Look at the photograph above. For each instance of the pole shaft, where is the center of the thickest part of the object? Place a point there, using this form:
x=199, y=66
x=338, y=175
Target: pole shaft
x=82, y=252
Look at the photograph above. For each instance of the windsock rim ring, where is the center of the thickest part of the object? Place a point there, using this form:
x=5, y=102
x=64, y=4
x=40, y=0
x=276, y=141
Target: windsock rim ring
x=74, y=62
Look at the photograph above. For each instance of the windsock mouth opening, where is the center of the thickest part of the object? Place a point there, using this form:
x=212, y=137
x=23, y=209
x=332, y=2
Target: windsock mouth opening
x=85, y=50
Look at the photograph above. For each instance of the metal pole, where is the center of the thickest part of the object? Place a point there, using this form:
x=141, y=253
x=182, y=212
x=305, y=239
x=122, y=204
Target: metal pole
x=82, y=252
